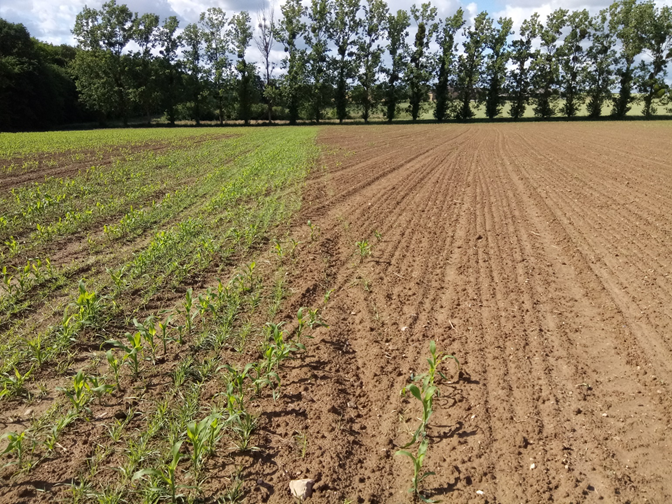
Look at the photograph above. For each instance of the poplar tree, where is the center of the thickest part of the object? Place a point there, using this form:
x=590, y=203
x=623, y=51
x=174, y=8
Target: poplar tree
x=420, y=63
x=264, y=42
x=169, y=44
x=344, y=30
x=241, y=36
x=470, y=64
x=447, y=57
x=317, y=67
x=290, y=32
x=546, y=66
x=193, y=55
x=496, y=40
x=217, y=44
x=146, y=36
x=600, y=59
x=369, y=54
x=657, y=28
x=573, y=62
x=626, y=23
x=103, y=71
x=397, y=31
x=519, y=77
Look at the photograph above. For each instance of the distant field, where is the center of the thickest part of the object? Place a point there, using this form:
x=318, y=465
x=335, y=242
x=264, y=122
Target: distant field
x=203, y=315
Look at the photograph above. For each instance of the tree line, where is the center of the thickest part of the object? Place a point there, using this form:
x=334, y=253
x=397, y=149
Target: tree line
x=356, y=58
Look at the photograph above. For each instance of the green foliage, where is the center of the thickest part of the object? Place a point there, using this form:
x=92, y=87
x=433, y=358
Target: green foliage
x=290, y=32
x=447, y=61
x=519, y=78
x=573, y=62
x=369, y=54
x=343, y=32
x=495, y=65
x=397, y=47
x=418, y=475
x=470, y=64
x=420, y=64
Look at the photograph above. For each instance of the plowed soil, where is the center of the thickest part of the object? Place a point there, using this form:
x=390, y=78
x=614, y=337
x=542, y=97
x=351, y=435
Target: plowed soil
x=539, y=255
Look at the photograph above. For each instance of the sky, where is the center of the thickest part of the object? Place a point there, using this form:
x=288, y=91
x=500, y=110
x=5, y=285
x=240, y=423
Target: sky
x=51, y=21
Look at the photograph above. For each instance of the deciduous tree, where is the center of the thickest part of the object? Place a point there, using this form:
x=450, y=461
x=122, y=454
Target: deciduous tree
x=397, y=31
x=495, y=65
x=447, y=60
x=369, y=54
x=420, y=62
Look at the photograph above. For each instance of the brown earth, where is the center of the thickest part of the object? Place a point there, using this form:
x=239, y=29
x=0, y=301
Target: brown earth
x=537, y=254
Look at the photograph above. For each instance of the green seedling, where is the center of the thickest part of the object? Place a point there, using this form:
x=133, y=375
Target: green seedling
x=204, y=304
x=118, y=279
x=37, y=350
x=78, y=395
x=89, y=306
x=167, y=473
x=12, y=245
x=294, y=244
x=263, y=379
x=377, y=234
x=199, y=435
x=315, y=231
x=7, y=284
x=14, y=447
x=243, y=424
x=314, y=319
x=327, y=296
x=277, y=248
x=98, y=387
x=163, y=334
x=188, y=304
x=148, y=331
x=435, y=359
x=364, y=248
x=426, y=398
x=131, y=352
x=115, y=366
x=418, y=475
x=13, y=385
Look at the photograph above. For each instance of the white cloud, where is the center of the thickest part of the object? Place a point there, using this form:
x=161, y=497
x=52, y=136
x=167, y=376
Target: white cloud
x=52, y=21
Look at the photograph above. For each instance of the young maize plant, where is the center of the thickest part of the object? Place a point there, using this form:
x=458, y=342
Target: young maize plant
x=78, y=395
x=315, y=231
x=426, y=398
x=166, y=473
x=201, y=435
x=418, y=475
x=115, y=366
x=13, y=386
x=14, y=446
x=364, y=248
x=131, y=352
x=425, y=394
x=147, y=330
x=163, y=335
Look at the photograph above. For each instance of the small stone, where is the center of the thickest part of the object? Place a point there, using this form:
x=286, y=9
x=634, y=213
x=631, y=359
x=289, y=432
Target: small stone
x=28, y=412
x=532, y=466
x=301, y=489
x=404, y=328
x=480, y=492
x=604, y=414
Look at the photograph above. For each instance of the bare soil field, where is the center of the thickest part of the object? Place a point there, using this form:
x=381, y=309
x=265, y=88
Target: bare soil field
x=537, y=254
